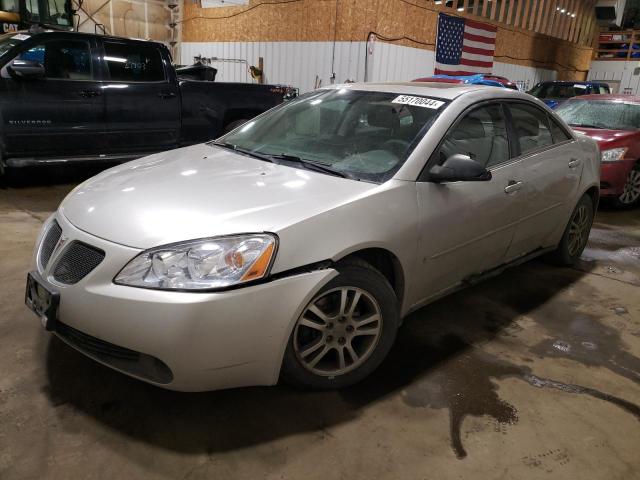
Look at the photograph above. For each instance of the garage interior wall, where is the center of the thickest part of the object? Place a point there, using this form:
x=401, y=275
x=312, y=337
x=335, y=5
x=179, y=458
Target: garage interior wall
x=148, y=19
x=304, y=41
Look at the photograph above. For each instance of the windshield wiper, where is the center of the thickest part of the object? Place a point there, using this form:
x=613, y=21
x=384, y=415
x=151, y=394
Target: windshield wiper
x=235, y=148
x=586, y=125
x=317, y=166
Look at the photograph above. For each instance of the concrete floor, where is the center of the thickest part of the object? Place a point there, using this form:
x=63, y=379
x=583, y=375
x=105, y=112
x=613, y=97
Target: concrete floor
x=535, y=374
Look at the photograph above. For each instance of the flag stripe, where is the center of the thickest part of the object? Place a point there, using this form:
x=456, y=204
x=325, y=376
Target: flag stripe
x=475, y=63
x=481, y=26
x=480, y=33
x=454, y=72
x=471, y=43
x=475, y=56
x=477, y=51
x=478, y=38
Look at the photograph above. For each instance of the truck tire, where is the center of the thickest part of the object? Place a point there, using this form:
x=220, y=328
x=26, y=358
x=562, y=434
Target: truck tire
x=344, y=332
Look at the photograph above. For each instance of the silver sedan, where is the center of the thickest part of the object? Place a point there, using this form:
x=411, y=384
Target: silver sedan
x=293, y=246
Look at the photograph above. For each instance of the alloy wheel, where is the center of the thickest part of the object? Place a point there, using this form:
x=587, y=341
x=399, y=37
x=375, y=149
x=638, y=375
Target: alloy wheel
x=337, y=331
x=631, y=192
x=579, y=230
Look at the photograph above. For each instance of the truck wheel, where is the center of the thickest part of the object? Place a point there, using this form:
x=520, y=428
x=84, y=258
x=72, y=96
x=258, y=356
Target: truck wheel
x=344, y=332
x=576, y=234
x=235, y=124
x=631, y=195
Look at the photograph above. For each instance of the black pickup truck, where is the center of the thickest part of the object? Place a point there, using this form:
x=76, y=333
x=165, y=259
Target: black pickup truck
x=68, y=96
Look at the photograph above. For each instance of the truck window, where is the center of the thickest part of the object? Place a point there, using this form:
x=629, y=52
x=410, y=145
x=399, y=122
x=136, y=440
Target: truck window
x=62, y=59
x=9, y=6
x=133, y=62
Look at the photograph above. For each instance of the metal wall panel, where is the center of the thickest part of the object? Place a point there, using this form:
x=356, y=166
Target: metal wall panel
x=298, y=63
x=623, y=77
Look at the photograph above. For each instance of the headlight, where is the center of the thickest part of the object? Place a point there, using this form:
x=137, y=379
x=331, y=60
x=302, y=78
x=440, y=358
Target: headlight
x=202, y=264
x=613, y=155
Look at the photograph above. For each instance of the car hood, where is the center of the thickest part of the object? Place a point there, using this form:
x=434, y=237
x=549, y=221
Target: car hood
x=605, y=137
x=201, y=191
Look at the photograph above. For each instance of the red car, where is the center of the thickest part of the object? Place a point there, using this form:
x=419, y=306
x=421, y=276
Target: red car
x=503, y=80
x=614, y=122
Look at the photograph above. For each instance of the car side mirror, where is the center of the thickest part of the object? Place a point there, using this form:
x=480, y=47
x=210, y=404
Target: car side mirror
x=25, y=69
x=459, y=168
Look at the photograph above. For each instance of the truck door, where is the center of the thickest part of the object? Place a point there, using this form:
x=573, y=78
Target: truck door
x=142, y=98
x=59, y=114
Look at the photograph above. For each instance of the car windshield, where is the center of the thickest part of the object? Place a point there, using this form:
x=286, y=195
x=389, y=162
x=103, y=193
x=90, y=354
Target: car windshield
x=355, y=134
x=10, y=40
x=614, y=115
x=555, y=90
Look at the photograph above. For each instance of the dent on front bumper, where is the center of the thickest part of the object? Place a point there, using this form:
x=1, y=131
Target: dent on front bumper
x=207, y=341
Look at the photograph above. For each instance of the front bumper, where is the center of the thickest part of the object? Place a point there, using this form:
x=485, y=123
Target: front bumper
x=613, y=176
x=208, y=341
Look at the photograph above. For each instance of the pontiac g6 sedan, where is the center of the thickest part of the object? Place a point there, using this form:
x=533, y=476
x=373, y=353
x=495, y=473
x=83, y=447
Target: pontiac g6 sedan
x=294, y=245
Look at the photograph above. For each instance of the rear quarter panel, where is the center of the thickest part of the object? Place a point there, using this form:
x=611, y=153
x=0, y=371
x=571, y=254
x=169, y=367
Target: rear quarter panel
x=207, y=107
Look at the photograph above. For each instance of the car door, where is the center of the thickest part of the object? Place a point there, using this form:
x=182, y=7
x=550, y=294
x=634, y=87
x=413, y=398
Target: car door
x=60, y=114
x=551, y=166
x=466, y=227
x=142, y=98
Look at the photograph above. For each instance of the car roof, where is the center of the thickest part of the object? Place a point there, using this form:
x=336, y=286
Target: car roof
x=447, y=91
x=609, y=97
x=83, y=34
x=570, y=82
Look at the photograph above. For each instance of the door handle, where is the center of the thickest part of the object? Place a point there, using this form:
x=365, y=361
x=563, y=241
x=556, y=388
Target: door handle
x=166, y=94
x=89, y=93
x=574, y=162
x=513, y=186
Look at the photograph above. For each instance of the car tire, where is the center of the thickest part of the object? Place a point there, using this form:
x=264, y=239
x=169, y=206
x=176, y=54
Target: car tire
x=576, y=234
x=235, y=124
x=338, y=351
x=631, y=195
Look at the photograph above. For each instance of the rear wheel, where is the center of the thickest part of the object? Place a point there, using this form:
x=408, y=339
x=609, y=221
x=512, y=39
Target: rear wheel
x=576, y=234
x=344, y=332
x=630, y=197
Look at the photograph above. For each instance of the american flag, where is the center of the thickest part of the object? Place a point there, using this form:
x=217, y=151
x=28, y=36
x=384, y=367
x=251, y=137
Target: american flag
x=464, y=47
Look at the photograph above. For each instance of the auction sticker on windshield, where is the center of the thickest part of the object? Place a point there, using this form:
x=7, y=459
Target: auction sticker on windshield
x=418, y=101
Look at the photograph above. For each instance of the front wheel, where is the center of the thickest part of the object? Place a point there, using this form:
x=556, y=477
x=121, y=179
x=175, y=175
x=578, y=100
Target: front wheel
x=344, y=332
x=576, y=234
x=630, y=197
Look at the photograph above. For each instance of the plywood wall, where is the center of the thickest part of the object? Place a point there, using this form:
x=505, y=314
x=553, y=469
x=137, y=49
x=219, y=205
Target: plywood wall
x=409, y=23
x=147, y=19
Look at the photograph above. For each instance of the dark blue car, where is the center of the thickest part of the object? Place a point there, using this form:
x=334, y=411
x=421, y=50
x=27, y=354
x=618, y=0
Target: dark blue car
x=553, y=93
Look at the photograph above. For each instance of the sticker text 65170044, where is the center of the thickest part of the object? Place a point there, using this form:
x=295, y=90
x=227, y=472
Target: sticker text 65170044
x=418, y=101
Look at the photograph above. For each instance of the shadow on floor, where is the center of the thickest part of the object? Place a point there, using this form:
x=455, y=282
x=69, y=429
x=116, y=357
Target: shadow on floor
x=430, y=339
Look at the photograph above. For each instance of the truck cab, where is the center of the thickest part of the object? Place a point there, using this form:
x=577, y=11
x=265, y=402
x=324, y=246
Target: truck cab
x=553, y=93
x=68, y=96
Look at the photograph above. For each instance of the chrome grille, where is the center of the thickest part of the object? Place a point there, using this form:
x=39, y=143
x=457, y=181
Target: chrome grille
x=48, y=245
x=76, y=262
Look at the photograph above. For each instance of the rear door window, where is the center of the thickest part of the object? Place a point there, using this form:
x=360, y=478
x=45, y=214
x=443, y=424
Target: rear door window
x=531, y=127
x=135, y=62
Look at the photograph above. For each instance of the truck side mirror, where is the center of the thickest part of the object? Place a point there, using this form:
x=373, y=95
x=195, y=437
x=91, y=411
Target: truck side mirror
x=25, y=69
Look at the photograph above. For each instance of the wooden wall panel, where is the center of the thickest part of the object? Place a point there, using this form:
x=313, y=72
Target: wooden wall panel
x=405, y=23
